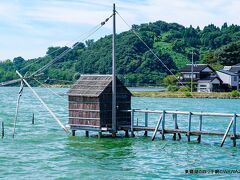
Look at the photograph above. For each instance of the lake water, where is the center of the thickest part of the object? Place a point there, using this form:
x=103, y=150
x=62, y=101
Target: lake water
x=44, y=151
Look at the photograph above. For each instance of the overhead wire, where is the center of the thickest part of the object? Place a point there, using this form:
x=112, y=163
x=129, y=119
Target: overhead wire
x=37, y=72
x=54, y=93
x=40, y=70
x=139, y=37
x=49, y=89
x=69, y=49
x=134, y=32
x=66, y=45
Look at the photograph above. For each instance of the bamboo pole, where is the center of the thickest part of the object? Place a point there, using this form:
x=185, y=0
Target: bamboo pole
x=2, y=129
x=33, y=119
x=157, y=126
x=189, y=125
x=17, y=107
x=226, y=133
x=43, y=103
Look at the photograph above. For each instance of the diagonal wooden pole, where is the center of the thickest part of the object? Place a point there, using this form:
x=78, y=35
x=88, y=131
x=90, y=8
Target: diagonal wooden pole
x=44, y=104
x=227, y=131
x=157, y=126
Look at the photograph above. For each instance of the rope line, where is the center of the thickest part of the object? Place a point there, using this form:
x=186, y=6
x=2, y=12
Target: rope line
x=49, y=89
x=66, y=45
x=91, y=32
x=150, y=49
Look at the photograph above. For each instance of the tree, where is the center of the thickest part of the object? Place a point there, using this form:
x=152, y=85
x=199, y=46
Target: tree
x=89, y=42
x=18, y=62
x=179, y=46
x=135, y=63
x=229, y=54
x=169, y=80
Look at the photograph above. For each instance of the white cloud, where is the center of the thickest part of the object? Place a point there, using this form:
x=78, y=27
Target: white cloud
x=188, y=12
x=42, y=23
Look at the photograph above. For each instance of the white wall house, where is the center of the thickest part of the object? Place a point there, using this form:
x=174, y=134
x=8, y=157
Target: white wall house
x=227, y=77
x=208, y=85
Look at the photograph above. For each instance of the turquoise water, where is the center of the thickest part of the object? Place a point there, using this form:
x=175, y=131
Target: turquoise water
x=43, y=151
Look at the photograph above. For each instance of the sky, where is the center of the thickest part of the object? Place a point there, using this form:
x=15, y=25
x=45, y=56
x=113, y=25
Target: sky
x=29, y=27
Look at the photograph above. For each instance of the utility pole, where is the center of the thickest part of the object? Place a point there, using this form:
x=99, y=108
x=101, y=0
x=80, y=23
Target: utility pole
x=114, y=119
x=192, y=74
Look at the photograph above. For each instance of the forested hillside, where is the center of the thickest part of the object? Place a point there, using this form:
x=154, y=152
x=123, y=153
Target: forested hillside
x=136, y=65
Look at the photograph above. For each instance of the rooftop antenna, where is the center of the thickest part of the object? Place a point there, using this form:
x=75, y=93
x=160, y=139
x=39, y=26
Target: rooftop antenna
x=114, y=120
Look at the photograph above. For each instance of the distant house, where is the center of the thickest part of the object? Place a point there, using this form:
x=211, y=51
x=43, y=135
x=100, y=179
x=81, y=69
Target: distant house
x=90, y=103
x=200, y=71
x=230, y=75
x=204, y=77
x=209, y=84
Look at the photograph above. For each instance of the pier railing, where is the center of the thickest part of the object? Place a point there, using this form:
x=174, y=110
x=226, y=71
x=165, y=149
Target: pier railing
x=161, y=124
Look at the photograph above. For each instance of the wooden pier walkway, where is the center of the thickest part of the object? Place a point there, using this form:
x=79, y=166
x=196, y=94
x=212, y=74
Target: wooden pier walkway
x=176, y=131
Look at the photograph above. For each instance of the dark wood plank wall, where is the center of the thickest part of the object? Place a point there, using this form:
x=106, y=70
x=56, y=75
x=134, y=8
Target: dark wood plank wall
x=97, y=111
x=84, y=111
x=123, y=103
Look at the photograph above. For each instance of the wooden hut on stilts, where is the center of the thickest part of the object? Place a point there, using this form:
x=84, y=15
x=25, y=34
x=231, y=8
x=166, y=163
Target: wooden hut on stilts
x=90, y=104
x=96, y=101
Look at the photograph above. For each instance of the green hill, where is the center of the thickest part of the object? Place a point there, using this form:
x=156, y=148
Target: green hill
x=136, y=65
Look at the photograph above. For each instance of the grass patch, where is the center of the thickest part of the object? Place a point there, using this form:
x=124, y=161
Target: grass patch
x=183, y=94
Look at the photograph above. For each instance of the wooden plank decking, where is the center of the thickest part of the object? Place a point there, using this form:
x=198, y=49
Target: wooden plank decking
x=172, y=131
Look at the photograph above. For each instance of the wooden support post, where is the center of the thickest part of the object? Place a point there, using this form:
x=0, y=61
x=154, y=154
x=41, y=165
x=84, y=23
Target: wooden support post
x=226, y=133
x=2, y=129
x=200, y=128
x=114, y=134
x=87, y=133
x=126, y=133
x=146, y=123
x=100, y=134
x=132, y=123
x=163, y=124
x=43, y=103
x=175, y=126
x=73, y=132
x=33, y=119
x=189, y=125
x=156, y=129
x=234, y=129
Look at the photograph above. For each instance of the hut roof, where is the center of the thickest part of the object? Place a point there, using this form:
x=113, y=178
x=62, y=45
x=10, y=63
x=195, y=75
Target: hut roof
x=91, y=85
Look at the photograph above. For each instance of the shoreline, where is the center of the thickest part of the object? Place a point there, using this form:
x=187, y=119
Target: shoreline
x=166, y=94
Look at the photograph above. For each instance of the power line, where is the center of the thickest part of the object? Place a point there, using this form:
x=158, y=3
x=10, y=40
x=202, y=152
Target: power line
x=91, y=32
x=66, y=45
x=150, y=49
x=50, y=89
